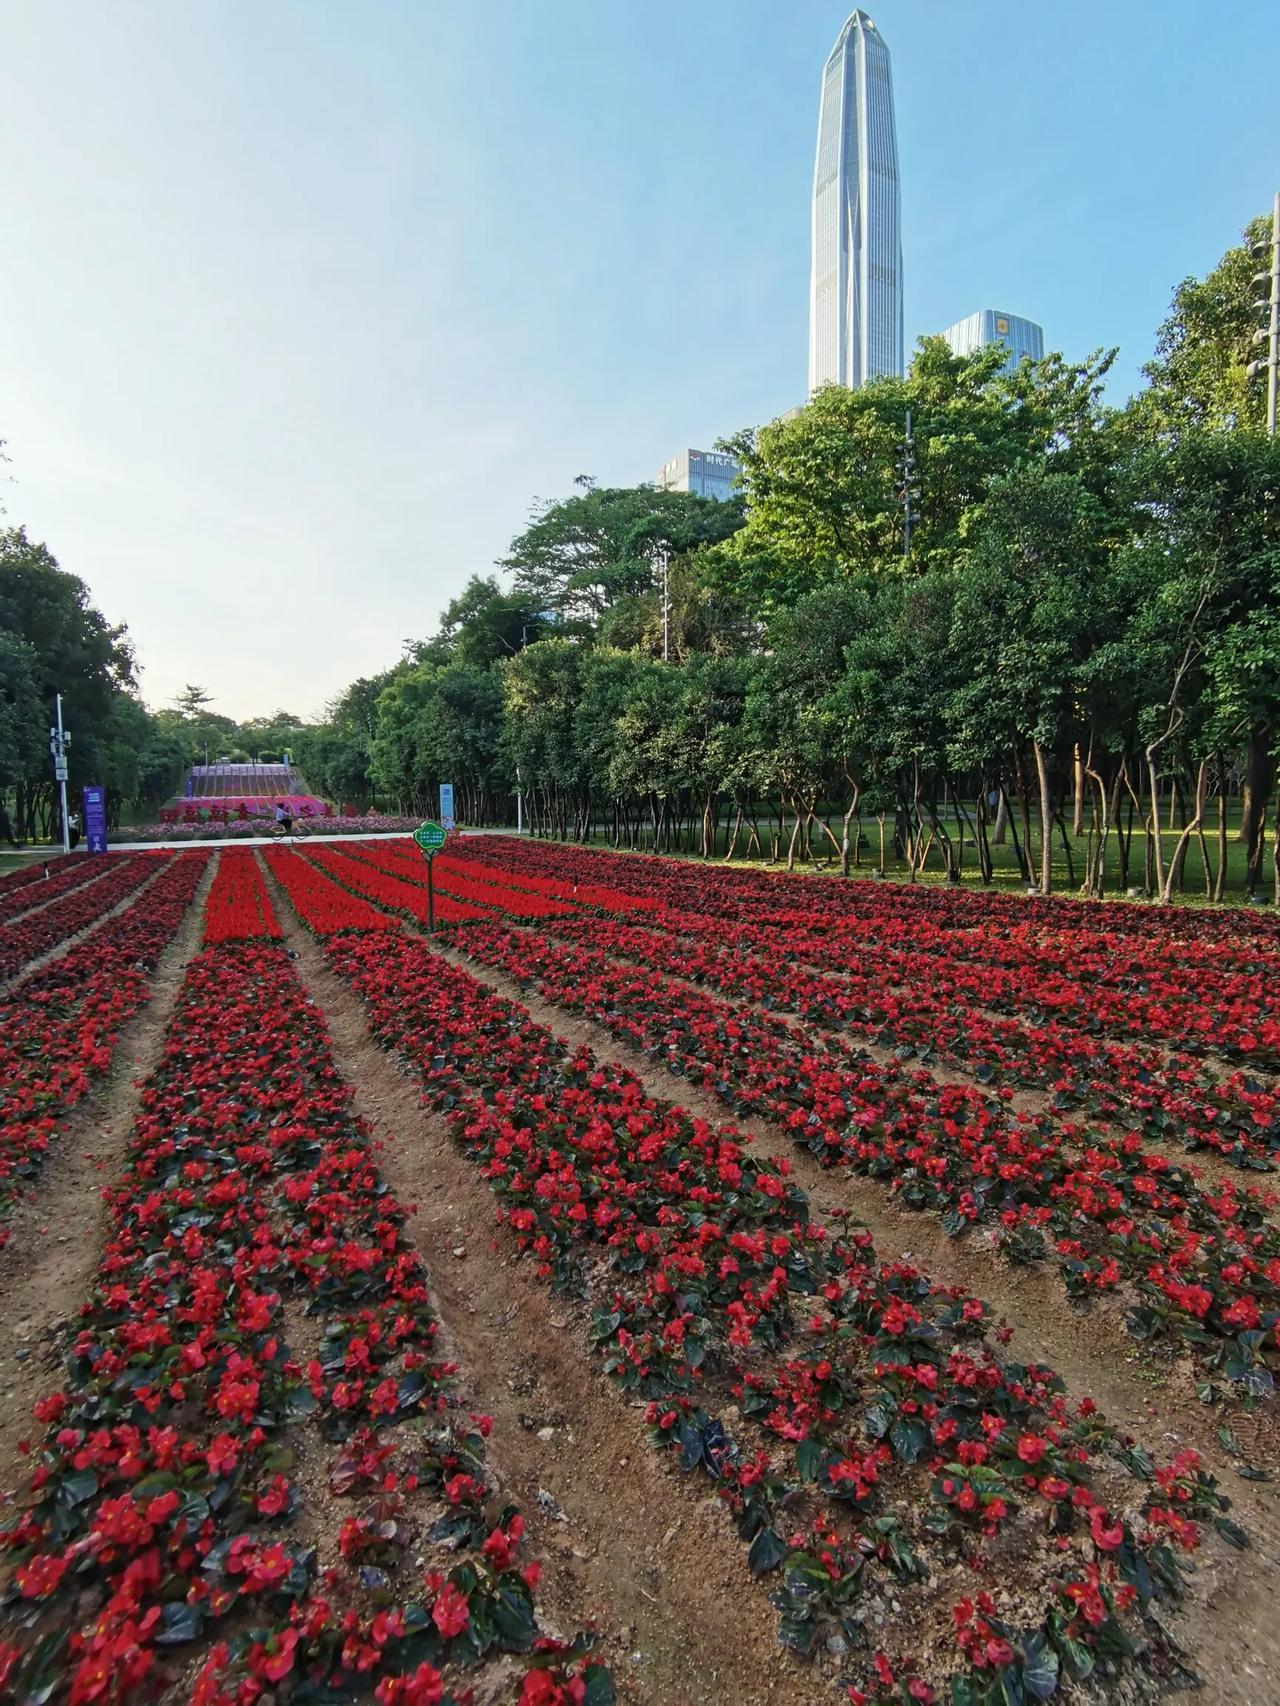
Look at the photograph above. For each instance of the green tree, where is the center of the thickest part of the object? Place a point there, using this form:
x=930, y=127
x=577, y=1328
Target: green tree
x=580, y=555
x=1198, y=377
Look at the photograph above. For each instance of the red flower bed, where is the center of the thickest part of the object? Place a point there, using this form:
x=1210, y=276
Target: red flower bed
x=38, y=932
x=164, y=1490
x=366, y=880
x=22, y=875
x=878, y=1441
x=403, y=861
x=65, y=875
x=1104, y=1210
x=1176, y=1099
x=323, y=905
x=238, y=907
x=58, y=1032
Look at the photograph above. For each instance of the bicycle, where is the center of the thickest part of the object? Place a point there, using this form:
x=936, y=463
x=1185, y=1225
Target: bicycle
x=298, y=831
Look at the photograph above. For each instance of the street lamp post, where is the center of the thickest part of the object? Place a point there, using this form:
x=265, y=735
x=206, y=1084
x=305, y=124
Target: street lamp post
x=59, y=741
x=1270, y=333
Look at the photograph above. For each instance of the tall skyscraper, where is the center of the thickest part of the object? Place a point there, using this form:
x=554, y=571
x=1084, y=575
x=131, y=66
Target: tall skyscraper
x=855, y=289
x=994, y=326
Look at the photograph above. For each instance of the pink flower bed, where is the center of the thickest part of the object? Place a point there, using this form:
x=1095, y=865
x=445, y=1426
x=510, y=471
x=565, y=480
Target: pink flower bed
x=226, y=807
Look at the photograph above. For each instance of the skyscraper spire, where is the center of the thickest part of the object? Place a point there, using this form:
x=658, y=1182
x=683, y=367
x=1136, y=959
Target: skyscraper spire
x=855, y=290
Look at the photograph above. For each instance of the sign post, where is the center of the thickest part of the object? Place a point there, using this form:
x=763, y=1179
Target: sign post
x=95, y=818
x=446, y=806
x=430, y=838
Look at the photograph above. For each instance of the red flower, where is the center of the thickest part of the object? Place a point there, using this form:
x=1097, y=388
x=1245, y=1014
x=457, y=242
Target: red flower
x=450, y=1612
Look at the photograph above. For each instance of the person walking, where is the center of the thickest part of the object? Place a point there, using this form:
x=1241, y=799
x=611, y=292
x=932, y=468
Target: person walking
x=73, y=830
x=6, y=828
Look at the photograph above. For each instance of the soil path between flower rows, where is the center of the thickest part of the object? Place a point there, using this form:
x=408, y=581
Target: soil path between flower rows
x=660, y=1572
x=42, y=962
x=1229, y=1624
x=59, y=1226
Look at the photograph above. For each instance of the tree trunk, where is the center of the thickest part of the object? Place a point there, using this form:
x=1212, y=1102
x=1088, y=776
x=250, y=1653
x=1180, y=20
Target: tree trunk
x=1002, y=820
x=1157, y=848
x=1046, y=820
x=1077, y=788
x=1180, y=851
x=1253, y=803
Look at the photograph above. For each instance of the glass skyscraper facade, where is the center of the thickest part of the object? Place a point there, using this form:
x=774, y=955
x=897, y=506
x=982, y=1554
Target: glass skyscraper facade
x=994, y=326
x=708, y=473
x=855, y=290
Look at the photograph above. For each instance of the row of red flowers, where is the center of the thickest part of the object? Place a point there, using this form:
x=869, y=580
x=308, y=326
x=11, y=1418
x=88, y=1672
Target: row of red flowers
x=395, y=894
x=492, y=886
x=1114, y=970
x=164, y=1489
x=58, y=1031
x=402, y=860
x=1205, y=1262
x=23, y=875
x=878, y=1440
x=65, y=875
x=238, y=907
x=738, y=893
x=39, y=932
x=323, y=905
x=935, y=1016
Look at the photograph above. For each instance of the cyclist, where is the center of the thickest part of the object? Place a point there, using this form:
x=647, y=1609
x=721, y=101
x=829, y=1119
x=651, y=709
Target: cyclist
x=284, y=817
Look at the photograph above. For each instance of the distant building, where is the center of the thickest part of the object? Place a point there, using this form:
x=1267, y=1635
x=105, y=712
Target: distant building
x=706, y=473
x=992, y=326
x=855, y=284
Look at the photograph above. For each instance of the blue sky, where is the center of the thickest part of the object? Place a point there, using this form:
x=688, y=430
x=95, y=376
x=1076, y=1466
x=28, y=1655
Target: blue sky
x=303, y=303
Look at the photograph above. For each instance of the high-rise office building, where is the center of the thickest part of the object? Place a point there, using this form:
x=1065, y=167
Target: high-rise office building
x=993, y=326
x=855, y=288
x=708, y=473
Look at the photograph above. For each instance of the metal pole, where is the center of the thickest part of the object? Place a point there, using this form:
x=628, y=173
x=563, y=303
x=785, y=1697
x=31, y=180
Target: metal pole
x=519, y=805
x=62, y=784
x=431, y=898
x=1273, y=349
x=666, y=607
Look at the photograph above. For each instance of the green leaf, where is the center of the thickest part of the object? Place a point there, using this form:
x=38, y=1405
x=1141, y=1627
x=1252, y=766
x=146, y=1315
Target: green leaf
x=1040, y=1667
x=179, y=1622
x=599, y=1687
x=767, y=1552
x=1231, y=1532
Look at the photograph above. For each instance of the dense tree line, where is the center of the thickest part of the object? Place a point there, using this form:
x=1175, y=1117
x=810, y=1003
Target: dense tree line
x=1081, y=647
